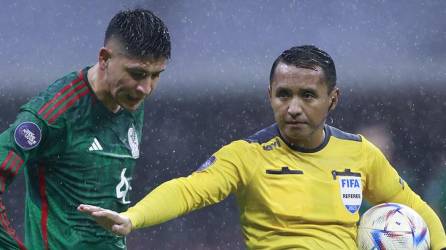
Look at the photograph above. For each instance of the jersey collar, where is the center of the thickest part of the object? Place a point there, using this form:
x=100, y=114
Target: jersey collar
x=308, y=150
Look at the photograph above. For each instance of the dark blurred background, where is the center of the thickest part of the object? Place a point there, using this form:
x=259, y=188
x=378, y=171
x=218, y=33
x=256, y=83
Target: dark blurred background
x=390, y=57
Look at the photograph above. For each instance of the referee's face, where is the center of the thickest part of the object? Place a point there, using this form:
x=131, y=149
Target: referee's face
x=300, y=101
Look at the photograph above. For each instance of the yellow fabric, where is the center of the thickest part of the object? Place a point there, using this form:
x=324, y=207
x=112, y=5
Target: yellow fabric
x=436, y=230
x=281, y=211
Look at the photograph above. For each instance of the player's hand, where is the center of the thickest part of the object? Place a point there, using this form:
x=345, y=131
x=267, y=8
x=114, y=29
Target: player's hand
x=108, y=219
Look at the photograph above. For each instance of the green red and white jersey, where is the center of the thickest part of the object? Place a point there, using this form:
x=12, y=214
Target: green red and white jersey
x=73, y=150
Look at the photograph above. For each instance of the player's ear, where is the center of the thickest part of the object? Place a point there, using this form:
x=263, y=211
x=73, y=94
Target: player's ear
x=104, y=57
x=334, y=99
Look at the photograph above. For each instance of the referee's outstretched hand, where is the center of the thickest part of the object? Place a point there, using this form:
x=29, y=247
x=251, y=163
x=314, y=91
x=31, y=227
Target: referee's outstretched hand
x=108, y=219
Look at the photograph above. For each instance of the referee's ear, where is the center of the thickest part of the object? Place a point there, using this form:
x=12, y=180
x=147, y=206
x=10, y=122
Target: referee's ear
x=269, y=92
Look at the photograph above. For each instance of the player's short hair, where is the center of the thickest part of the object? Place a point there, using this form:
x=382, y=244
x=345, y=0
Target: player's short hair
x=309, y=57
x=141, y=34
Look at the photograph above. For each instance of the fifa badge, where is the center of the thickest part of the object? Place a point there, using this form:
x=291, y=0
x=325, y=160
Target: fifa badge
x=351, y=192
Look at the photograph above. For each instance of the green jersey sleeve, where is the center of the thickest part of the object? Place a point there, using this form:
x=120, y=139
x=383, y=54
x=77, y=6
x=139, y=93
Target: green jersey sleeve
x=23, y=143
x=19, y=144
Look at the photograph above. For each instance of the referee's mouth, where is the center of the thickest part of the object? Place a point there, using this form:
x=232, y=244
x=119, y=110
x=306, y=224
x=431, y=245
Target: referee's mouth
x=295, y=122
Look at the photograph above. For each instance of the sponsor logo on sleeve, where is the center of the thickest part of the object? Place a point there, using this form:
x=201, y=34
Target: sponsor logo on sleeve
x=271, y=146
x=27, y=135
x=351, y=192
x=207, y=163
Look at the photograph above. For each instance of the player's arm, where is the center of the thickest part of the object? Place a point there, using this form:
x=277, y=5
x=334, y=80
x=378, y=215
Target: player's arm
x=22, y=143
x=18, y=144
x=385, y=185
x=222, y=175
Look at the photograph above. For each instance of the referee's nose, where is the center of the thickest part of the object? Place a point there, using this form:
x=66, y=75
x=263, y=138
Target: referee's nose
x=294, y=107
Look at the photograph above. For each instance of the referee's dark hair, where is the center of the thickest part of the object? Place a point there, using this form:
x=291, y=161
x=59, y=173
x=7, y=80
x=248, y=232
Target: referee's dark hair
x=309, y=57
x=141, y=33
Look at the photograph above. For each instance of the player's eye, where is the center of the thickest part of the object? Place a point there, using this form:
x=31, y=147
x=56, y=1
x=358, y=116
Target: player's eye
x=138, y=75
x=155, y=75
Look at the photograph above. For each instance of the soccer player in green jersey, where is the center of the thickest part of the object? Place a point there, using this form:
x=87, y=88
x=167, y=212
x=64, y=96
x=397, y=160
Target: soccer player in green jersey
x=78, y=141
x=299, y=183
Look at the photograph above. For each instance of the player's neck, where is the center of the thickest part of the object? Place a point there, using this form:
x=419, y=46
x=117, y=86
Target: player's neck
x=101, y=89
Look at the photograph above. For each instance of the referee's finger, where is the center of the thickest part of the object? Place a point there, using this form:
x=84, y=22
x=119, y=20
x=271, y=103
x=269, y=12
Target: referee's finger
x=120, y=229
x=107, y=214
x=117, y=229
x=88, y=208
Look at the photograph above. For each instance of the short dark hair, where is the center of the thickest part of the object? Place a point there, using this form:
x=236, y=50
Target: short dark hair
x=141, y=33
x=309, y=57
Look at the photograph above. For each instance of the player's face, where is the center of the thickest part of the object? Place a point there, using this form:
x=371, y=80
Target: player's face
x=131, y=80
x=300, y=101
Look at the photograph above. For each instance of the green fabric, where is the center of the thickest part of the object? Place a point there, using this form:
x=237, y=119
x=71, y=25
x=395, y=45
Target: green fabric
x=85, y=156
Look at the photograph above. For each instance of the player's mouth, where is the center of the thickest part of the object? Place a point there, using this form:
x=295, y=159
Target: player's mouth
x=133, y=100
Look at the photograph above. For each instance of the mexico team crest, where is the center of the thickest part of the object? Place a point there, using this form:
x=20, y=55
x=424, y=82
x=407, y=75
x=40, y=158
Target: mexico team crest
x=351, y=192
x=133, y=142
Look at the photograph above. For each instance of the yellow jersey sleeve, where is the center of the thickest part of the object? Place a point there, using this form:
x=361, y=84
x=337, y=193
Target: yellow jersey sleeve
x=385, y=185
x=218, y=177
x=436, y=230
x=383, y=182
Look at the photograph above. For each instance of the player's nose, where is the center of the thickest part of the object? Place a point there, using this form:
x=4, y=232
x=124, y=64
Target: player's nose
x=145, y=87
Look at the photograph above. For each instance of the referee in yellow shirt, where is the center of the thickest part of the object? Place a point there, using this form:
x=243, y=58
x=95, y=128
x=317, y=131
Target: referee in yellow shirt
x=299, y=183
